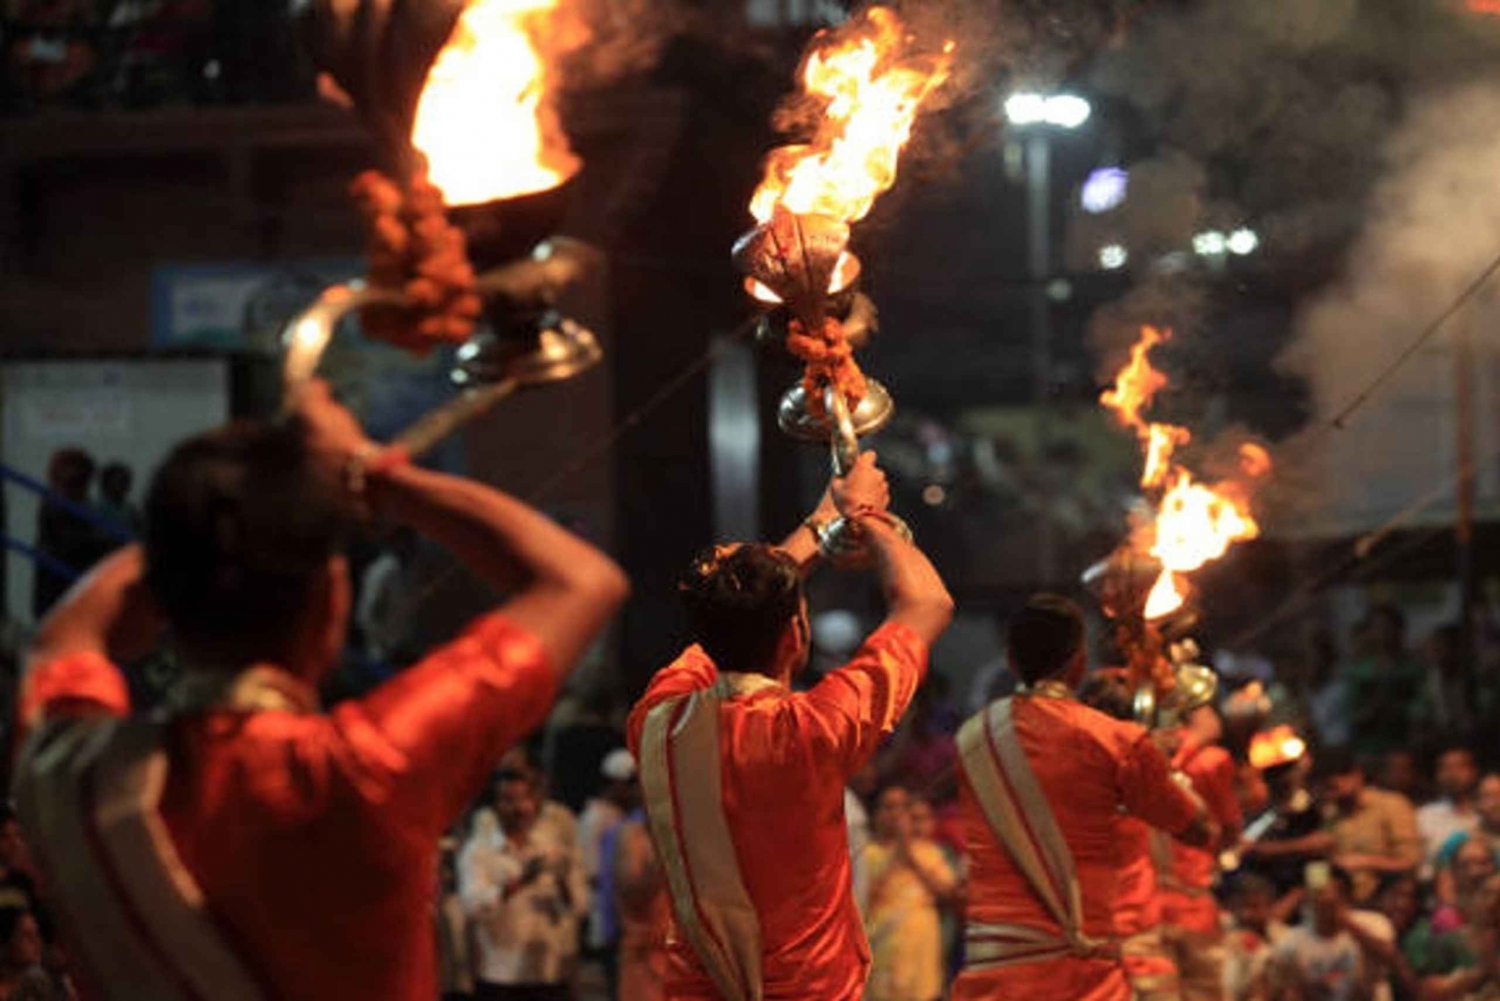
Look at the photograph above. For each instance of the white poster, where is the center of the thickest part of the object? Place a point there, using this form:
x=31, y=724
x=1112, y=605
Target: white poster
x=131, y=412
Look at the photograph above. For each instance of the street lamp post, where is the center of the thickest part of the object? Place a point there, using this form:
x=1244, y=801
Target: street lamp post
x=1040, y=115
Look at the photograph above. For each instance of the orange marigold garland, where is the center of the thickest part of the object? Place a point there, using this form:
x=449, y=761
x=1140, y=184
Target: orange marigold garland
x=829, y=361
x=413, y=247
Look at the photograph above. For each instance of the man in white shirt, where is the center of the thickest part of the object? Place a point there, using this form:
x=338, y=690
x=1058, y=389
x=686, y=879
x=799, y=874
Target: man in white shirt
x=1340, y=954
x=1457, y=778
x=526, y=892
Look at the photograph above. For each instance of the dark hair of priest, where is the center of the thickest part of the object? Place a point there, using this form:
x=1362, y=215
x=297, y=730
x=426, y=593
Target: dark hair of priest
x=239, y=532
x=740, y=601
x=1044, y=638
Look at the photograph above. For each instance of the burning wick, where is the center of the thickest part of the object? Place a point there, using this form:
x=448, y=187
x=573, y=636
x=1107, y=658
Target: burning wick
x=485, y=119
x=871, y=85
x=1195, y=523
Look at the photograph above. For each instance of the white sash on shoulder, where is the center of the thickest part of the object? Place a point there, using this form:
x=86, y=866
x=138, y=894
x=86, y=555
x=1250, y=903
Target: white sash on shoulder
x=87, y=791
x=680, y=777
x=1021, y=819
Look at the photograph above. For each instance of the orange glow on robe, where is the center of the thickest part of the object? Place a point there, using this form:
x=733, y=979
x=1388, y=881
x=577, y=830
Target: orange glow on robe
x=351, y=802
x=785, y=759
x=1109, y=764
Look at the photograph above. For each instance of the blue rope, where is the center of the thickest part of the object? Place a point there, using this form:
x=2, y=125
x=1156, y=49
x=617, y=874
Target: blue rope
x=113, y=529
x=40, y=558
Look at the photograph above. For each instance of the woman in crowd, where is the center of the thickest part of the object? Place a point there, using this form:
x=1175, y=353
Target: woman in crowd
x=1471, y=954
x=901, y=882
x=22, y=976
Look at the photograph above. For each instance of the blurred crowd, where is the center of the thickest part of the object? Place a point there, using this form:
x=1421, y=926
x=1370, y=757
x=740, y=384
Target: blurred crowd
x=145, y=53
x=1369, y=867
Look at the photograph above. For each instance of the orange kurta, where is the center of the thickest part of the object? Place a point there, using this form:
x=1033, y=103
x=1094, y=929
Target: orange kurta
x=1187, y=890
x=1089, y=767
x=784, y=761
x=314, y=837
x=1138, y=908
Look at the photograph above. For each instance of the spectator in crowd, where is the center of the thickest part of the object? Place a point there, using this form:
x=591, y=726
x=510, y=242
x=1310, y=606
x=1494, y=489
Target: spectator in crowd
x=1457, y=779
x=639, y=890
x=901, y=881
x=526, y=893
x=1295, y=836
x=1445, y=706
x=114, y=497
x=1374, y=832
x=1467, y=872
x=69, y=540
x=455, y=958
x=1468, y=968
x=1339, y=954
x=601, y=816
x=1400, y=772
x=1384, y=682
x=1400, y=900
x=925, y=827
x=1253, y=933
x=22, y=976
x=555, y=823
x=1323, y=693
x=1486, y=831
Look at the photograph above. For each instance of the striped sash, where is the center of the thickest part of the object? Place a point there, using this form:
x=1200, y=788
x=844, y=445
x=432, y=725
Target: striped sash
x=680, y=777
x=1022, y=821
x=87, y=792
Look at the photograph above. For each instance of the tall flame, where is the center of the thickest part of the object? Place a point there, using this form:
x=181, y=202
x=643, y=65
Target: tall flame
x=1195, y=523
x=873, y=87
x=485, y=119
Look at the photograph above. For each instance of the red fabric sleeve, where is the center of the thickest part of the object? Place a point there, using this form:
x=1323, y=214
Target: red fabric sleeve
x=74, y=685
x=688, y=673
x=1212, y=773
x=1149, y=791
x=431, y=735
x=860, y=704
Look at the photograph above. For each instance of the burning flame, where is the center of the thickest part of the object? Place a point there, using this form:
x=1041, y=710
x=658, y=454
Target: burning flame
x=1195, y=523
x=1276, y=746
x=1164, y=598
x=873, y=88
x=485, y=120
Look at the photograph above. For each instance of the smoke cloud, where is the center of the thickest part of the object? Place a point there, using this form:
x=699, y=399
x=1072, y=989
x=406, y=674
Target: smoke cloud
x=1357, y=138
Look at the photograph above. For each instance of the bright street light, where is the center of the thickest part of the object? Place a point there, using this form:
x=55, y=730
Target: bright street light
x=1067, y=111
x=1104, y=190
x=1210, y=244
x=1243, y=241
x=1112, y=256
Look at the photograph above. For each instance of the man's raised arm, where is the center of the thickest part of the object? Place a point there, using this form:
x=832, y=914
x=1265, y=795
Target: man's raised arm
x=563, y=590
x=915, y=595
x=106, y=618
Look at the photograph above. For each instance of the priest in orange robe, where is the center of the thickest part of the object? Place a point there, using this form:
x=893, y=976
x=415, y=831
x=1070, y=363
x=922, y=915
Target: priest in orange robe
x=744, y=778
x=1138, y=907
x=1192, y=929
x=1044, y=778
x=242, y=844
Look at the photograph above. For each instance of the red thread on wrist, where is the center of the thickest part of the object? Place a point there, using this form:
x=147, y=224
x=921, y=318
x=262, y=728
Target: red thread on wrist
x=393, y=457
